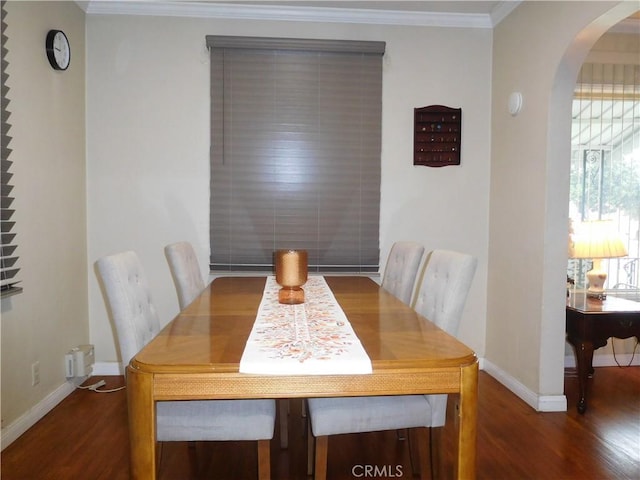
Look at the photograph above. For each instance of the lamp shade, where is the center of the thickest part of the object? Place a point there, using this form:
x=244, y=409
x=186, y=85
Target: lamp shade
x=596, y=239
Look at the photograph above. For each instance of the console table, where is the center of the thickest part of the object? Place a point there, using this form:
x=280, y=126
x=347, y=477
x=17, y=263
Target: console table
x=590, y=323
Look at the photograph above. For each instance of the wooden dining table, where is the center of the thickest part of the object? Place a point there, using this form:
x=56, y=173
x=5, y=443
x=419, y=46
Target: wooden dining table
x=197, y=356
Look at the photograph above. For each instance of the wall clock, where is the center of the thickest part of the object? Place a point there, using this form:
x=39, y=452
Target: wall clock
x=58, y=49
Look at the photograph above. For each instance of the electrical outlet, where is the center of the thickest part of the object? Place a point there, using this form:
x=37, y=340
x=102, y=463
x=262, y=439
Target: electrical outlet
x=35, y=373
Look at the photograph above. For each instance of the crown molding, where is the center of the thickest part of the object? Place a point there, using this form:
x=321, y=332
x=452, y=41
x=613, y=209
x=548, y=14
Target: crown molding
x=297, y=13
x=502, y=10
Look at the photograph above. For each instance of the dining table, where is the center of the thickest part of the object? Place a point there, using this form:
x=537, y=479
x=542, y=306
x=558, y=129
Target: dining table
x=197, y=355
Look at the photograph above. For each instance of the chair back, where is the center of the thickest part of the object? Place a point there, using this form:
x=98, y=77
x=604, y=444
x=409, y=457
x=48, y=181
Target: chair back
x=440, y=297
x=401, y=269
x=443, y=291
x=127, y=295
x=185, y=271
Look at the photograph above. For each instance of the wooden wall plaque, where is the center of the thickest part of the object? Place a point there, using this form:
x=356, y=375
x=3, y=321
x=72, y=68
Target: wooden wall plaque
x=437, y=136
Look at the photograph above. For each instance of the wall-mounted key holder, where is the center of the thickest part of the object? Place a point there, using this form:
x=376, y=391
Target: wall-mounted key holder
x=437, y=136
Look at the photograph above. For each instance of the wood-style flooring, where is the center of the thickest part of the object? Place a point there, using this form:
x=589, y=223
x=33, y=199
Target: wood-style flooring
x=85, y=437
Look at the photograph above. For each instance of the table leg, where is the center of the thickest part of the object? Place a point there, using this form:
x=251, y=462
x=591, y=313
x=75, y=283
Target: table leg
x=467, y=430
x=584, y=364
x=142, y=425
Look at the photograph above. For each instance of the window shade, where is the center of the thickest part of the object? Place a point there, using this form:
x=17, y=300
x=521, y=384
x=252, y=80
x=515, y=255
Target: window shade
x=295, y=152
x=605, y=164
x=8, y=258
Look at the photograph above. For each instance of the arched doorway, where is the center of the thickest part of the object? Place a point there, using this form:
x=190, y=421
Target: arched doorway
x=559, y=131
x=538, y=51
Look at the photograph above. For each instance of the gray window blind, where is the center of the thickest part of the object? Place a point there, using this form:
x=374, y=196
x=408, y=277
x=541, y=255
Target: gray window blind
x=8, y=258
x=295, y=152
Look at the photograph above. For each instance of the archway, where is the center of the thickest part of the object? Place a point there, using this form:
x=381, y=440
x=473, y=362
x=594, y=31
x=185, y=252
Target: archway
x=558, y=150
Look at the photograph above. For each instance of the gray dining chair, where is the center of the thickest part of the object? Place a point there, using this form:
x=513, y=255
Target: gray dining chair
x=440, y=297
x=401, y=269
x=187, y=278
x=128, y=298
x=398, y=279
x=185, y=272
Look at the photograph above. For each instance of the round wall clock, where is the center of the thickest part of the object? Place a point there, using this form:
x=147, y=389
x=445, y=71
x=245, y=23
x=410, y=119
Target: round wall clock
x=58, y=49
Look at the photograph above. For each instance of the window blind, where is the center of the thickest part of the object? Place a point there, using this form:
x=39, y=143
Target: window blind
x=605, y=163
x=295, y=152
x=8, y=258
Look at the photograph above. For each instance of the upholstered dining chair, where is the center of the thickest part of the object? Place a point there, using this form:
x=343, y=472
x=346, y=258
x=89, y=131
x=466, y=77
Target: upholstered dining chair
x=128, y=297
x=440, y=297
x=185, y=272
x=401, y=269
x=187, y=278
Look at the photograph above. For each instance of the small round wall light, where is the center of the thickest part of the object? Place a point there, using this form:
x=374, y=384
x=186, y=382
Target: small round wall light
x=515, y=103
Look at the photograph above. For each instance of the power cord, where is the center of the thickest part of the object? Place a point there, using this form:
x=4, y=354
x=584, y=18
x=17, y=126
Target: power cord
x=101, y=383
x=633, y=354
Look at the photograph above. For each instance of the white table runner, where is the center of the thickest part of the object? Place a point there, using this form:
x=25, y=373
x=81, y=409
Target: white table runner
x=310, y=338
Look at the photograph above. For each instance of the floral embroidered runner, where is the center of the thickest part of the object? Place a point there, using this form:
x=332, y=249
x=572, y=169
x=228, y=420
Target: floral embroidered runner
x=311, y=338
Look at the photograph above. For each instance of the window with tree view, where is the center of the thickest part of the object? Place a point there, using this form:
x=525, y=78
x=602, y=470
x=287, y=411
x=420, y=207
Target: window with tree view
x=605, y=165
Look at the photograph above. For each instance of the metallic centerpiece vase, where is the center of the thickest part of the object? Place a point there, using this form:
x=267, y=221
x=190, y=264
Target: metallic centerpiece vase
x=291, y=273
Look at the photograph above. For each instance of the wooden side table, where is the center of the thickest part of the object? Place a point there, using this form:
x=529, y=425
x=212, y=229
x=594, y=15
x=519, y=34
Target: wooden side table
x=590, y=323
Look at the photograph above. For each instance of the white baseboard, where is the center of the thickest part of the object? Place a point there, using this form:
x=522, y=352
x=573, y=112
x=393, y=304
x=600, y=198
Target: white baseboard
x=553, y=403
x=101, y=369
x=11, y=432
x=541, y=403
x=607, y=360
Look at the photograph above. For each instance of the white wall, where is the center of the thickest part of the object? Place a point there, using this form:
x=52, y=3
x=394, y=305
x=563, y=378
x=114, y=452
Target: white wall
x=147, y=172
x=48, y=128
x=147, y=144
x=530, y=184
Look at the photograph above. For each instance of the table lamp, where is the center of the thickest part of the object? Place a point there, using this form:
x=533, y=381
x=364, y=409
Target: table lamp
x=596, y=240
x=291, y=274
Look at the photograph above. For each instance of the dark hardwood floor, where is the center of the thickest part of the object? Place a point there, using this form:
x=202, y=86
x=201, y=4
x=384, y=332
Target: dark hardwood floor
x=85, y=437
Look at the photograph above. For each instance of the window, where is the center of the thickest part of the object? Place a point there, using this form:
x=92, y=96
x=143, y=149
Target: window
x=8, y=258
x=295, y=152
x=605, y=163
